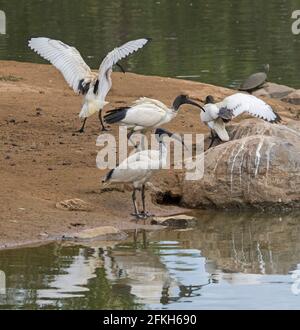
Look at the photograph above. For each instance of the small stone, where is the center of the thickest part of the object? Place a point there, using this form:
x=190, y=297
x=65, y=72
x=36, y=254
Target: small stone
x=75, y=204
x=108, y=233
x=175, y=221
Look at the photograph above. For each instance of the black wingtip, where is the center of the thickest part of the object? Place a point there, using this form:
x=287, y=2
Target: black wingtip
x=115, y=115
x=108, y=176
x=149, y=39
x=277, y=119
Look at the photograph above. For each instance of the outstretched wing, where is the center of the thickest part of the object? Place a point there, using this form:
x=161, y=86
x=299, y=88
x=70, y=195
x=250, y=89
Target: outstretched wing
x=239, y=103
x=113, y=58
x=65, y=58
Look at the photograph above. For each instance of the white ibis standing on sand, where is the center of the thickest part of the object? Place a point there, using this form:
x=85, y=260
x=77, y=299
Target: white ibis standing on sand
x=146, y=113
x=138, y=168
x=215, y=115
x=94, y=86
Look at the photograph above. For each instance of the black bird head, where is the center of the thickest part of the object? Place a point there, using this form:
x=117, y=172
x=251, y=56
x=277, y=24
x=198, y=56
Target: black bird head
x=183, y=99
x=160, y=132
x=209, y=99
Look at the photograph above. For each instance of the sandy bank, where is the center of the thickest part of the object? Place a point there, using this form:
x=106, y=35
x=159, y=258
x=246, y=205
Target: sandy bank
x=44, y=162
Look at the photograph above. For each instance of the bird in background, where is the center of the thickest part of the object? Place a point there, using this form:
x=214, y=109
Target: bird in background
x=216, y=115
x=93, y=86
x=138, y=168
x=146, y=113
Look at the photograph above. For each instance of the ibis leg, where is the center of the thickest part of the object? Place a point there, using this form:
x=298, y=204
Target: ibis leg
x=136, y=212
x=213, y=138
x=129, y=135
x=103, y=128
x=144, y=212
x=143, y=199
x=83, y=126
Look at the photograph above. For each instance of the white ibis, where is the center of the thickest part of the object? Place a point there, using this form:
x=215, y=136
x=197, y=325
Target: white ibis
x=146, y=113
x=138, y=168
x=215, y=115
x=94, y=86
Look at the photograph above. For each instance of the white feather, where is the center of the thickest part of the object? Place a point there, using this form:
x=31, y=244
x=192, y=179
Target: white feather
x=147, y=115
x=111, y=59
x=240, y=103
x=219, y=127
x=69, y=62
x=65, y=58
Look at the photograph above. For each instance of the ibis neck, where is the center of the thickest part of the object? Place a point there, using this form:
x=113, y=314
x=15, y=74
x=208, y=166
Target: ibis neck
x=163, y=152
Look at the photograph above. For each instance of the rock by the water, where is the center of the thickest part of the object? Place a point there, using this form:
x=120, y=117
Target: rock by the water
x=273, y=90
x=261, y=93
x=99, y=233
x=175, y=221
x=259, y=167
x=293, y=97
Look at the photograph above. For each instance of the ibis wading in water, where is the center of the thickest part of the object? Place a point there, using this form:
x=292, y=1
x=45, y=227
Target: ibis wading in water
x=138, y=168
x=146, y=113
x=215, y=115
x=93, y=85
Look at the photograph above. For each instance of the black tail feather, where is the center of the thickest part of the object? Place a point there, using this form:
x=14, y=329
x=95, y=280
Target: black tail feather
x=108, y=176
x=116, y=115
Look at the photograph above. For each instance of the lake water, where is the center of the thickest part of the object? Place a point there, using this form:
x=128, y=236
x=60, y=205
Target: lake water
x=229, y=261
x=218, y=42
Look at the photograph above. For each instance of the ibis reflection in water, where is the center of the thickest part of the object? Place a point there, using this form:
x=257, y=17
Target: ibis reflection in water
x=228, y=261
x=79, y=76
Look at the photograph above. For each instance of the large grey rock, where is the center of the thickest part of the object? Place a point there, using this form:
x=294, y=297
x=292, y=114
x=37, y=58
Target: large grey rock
x=259, y=167
x=293, y=97
x=273, y=90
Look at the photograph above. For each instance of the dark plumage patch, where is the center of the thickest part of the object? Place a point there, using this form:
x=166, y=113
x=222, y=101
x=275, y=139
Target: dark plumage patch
x=116, y=115
x=226, y=114
x=109, y=175
x=96, y=87
x=83, y=89
x=277, y=119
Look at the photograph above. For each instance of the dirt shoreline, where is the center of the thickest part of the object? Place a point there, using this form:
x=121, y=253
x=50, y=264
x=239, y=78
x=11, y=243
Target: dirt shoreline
x=44, y=162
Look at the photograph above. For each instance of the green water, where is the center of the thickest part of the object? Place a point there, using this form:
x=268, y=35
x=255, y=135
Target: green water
x=229, y=261
x=218, y=42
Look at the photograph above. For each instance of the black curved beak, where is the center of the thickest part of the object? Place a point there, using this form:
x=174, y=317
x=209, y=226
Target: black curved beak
x=120, y=66
x=161, y=131
x=189, y=101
